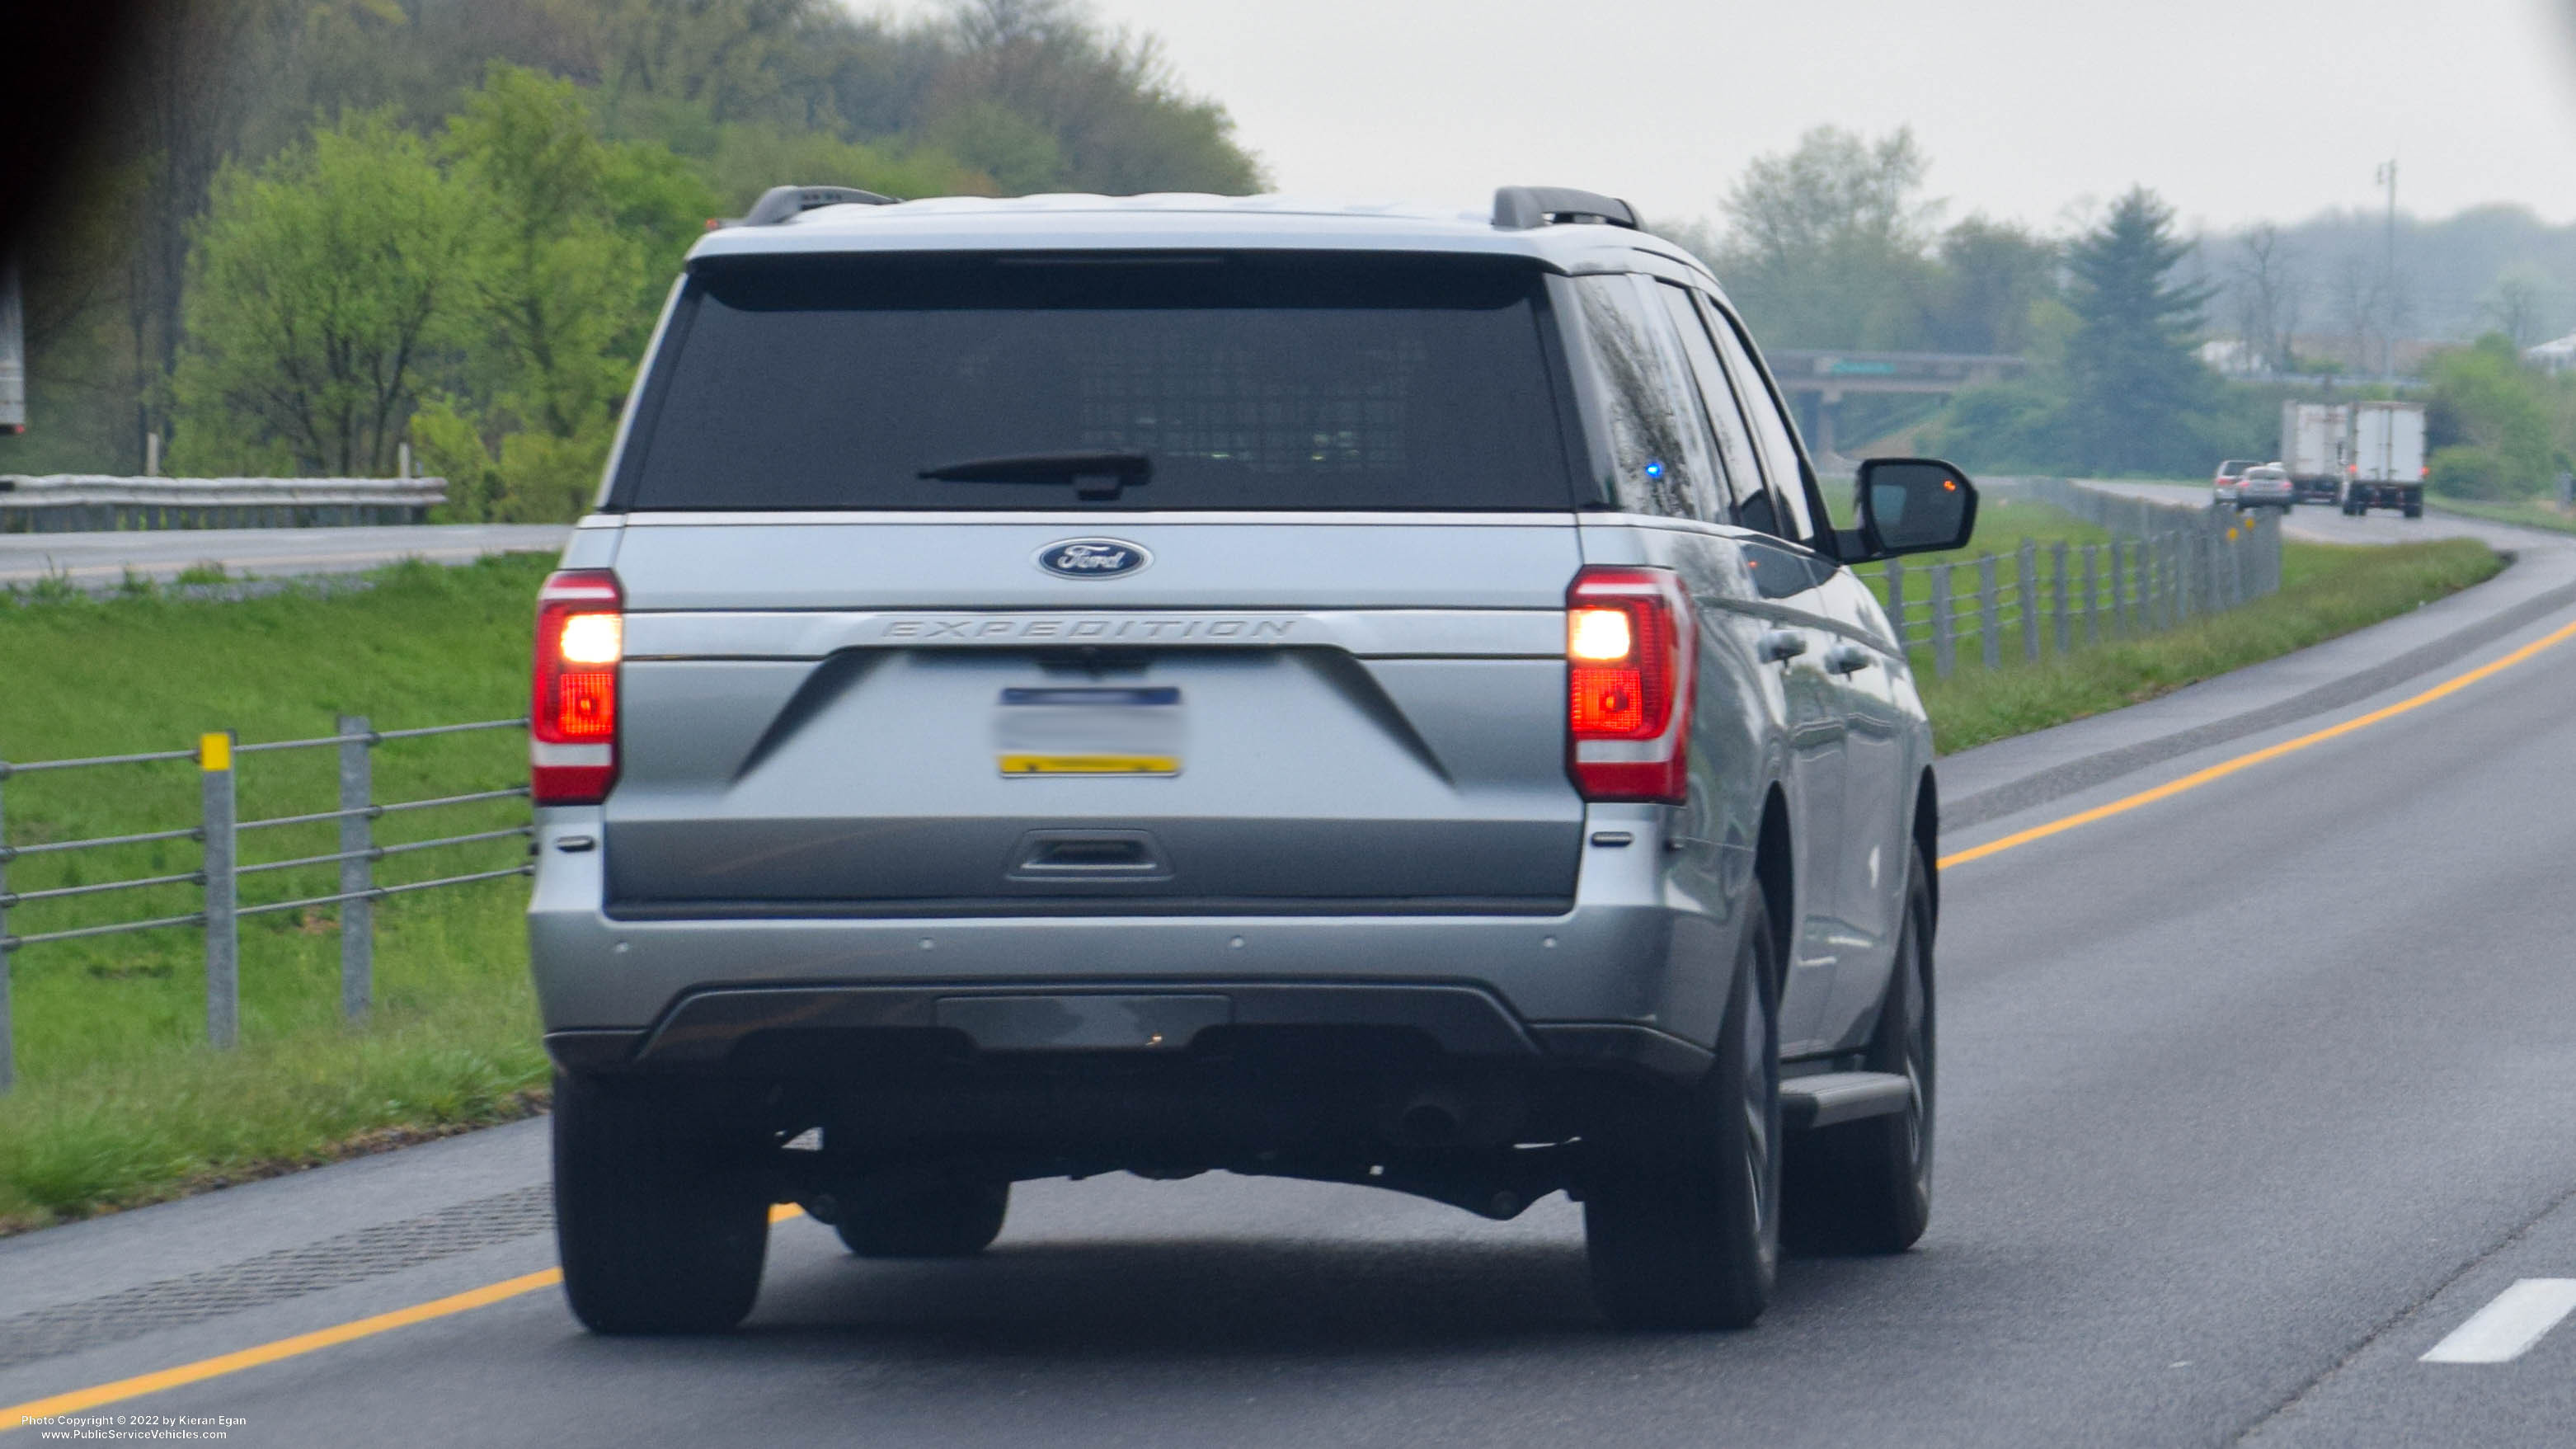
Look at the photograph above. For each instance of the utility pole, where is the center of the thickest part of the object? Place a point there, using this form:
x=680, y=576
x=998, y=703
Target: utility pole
x=2388, y=277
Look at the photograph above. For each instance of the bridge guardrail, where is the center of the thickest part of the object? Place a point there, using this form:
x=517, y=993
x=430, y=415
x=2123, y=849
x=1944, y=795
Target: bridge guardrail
x=220, y=870
x=83, y=502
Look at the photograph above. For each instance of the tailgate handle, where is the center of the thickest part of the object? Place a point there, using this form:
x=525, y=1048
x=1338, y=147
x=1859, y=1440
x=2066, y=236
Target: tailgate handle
x=1089, y=855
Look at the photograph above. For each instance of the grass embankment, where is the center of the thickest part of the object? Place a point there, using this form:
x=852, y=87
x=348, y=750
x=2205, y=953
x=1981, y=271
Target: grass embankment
x=2326, y=590
x=119, y=1100
x=2527, y=512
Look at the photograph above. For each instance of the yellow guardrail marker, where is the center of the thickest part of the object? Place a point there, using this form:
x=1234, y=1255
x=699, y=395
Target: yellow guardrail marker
x=215, y=751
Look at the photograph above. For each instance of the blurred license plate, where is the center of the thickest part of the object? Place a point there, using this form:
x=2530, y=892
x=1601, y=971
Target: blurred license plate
x=1083, y=730
x=1091, y=764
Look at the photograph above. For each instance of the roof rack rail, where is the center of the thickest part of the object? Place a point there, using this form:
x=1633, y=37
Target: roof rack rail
x=1519, y=208
x=780, y=203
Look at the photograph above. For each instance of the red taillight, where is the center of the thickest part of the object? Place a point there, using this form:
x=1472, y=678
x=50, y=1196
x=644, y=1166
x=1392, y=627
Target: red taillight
x=1628, y=652
x=572, y=703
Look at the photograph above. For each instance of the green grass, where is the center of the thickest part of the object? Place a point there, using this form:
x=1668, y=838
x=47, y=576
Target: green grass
x=2326, y=590
x=2528, y=512
x=119, y=1100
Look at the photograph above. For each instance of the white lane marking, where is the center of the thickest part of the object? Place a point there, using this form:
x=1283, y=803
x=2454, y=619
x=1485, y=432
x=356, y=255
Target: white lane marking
x=2503, y=1329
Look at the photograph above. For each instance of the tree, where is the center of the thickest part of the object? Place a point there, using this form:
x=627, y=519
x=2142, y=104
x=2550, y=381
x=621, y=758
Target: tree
x=2489, y=422
x=1023, y=70
x=1828, y=245
x=2269, y=292
x=318, y=288
x=2133, y=382
x=1991, y=275
x=553, y=277
x=2521, y=303
x=572, y=241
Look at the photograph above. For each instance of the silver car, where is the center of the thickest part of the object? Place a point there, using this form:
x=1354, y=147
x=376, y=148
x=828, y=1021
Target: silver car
x=1170, y=684
x=2266, y=485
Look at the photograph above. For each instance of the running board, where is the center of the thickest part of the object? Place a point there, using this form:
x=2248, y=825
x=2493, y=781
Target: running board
x=1831, y=1098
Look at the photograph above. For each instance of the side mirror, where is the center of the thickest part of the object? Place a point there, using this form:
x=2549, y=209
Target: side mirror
x=1912, y=505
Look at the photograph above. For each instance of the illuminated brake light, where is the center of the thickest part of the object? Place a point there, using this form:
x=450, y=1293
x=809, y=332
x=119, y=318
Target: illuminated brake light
x=572, y=703
x=1630, y=639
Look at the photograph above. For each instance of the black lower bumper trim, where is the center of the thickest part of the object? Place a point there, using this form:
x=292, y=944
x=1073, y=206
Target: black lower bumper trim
x=703, y=1030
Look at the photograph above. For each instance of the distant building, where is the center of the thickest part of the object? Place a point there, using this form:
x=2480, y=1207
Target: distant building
x=2231, y=358
x=2553, y=357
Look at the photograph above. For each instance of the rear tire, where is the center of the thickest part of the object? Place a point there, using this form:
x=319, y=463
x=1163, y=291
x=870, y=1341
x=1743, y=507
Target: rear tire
x=1866, y=1187
x=921, y=1215
x=656, y=1236
x=1682, y=1216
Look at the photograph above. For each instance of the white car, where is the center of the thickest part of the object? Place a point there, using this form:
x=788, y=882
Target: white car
x=2265, y=486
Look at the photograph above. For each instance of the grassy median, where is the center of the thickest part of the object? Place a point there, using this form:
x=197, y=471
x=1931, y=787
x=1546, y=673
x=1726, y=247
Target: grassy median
x=119, y=1100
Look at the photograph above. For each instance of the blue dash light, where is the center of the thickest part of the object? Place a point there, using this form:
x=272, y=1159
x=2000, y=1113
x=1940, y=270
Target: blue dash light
x=1655, y=468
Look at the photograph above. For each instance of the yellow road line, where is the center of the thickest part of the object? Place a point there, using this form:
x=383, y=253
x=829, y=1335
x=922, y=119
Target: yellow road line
x=79, y=1400
x=2224, y=768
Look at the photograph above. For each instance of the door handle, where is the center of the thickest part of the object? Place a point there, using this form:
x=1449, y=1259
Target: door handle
x=1780, y=645
x=1847, y=659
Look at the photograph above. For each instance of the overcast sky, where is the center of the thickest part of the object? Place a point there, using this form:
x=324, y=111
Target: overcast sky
x=2236, y=110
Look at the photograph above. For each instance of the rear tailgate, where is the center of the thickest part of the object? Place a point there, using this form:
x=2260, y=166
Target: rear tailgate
x=829, y=714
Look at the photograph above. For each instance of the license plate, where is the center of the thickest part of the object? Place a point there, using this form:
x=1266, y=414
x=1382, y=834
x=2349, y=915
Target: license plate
x=1079, y=730
x=1091, y=764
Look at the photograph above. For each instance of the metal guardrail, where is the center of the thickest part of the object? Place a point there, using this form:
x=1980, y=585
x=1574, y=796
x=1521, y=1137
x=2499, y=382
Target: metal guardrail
x=81, y=502
x=2169, y=565
x=220, y=869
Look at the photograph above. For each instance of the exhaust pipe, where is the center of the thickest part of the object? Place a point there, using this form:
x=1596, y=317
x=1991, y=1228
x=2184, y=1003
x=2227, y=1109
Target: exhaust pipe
x=1430, y=1118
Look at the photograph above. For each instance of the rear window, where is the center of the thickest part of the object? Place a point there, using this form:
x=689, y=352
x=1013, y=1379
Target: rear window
x=1273, y=381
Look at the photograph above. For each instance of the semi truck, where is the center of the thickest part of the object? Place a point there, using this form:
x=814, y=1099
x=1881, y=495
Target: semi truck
x=2314, y=437
x=2384, y=465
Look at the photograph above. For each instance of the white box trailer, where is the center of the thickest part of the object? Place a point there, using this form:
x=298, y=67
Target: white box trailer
x=2385, y=467
x=2313, y=438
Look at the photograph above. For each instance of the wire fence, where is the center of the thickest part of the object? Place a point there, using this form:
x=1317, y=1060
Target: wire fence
x=220, y=834
x=2166, y=565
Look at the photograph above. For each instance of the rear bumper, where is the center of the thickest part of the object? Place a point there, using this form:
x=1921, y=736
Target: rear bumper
x=1623, y=976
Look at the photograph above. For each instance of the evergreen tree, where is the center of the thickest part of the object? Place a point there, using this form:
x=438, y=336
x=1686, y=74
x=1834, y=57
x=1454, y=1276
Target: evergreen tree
x=2134, y=387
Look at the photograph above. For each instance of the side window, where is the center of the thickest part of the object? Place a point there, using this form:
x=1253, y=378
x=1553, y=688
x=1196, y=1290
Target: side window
x=1770, y=430
x=1660, y=456
x=1747, y=503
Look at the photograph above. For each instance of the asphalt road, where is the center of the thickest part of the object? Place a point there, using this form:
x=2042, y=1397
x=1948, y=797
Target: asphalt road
x=2251, y=1095
x=89, y=560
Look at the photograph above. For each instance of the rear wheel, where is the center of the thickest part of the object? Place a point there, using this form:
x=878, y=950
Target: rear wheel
x=1866, y=1187
x=1682, y=1216
x=656, y=1235
x=921, y=1215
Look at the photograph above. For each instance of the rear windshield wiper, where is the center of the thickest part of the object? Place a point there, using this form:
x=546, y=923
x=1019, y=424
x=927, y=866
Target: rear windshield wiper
x=1094, y=475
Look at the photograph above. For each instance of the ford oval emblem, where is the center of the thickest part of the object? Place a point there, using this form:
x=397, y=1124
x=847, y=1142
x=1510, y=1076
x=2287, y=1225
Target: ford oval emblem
x=1093, y=558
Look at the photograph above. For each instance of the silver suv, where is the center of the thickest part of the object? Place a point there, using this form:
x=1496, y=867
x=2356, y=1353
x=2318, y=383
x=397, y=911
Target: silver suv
x=1072, y=685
